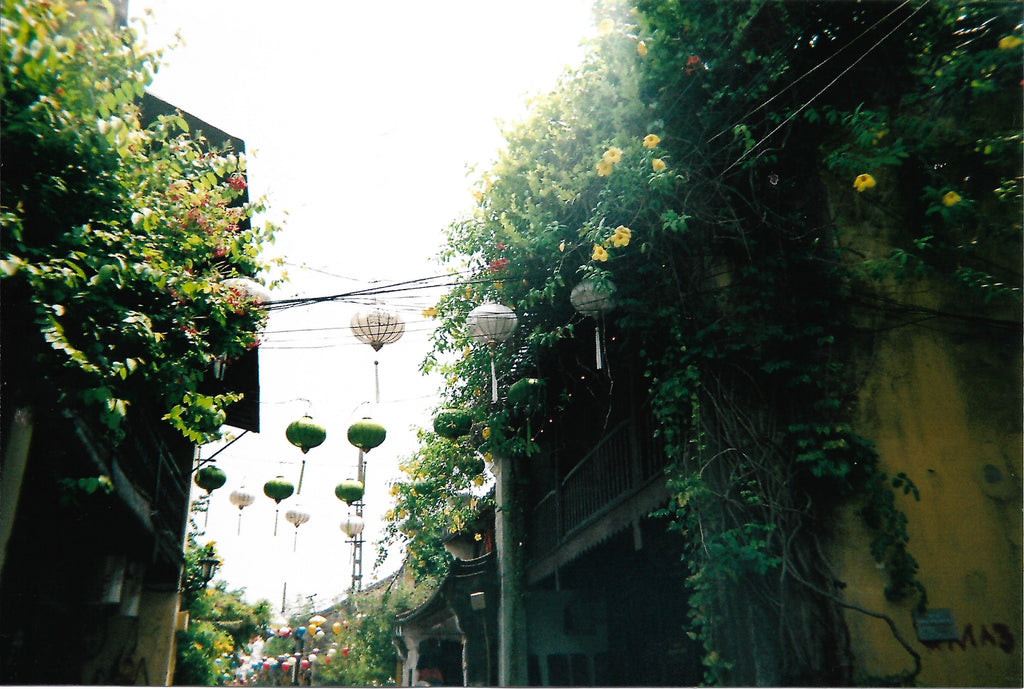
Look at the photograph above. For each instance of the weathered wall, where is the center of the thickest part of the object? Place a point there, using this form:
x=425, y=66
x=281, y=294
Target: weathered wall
x=941, y=400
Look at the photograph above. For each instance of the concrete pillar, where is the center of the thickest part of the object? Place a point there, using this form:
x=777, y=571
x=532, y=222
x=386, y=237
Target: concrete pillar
x=511, y=657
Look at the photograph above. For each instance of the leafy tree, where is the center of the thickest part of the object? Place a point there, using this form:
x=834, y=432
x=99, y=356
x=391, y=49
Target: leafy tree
x=117, y=236
x=221, y=624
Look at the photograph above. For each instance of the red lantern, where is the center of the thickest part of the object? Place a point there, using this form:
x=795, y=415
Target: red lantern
x=344, y=651
x=303, y=663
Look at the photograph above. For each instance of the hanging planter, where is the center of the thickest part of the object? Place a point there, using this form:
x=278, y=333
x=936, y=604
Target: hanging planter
x=366, y=434
x=452, y=423
x=349, y=491
x=278, y=489
x=210, y=478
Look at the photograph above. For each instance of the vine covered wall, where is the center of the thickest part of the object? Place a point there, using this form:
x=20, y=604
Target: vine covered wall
x=781, y=193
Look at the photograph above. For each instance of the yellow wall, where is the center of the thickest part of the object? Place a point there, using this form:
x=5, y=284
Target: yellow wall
x=945, y=407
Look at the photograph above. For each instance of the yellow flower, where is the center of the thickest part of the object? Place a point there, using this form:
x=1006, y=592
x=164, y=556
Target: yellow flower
x=429, y=312
x=951, y=198
x=468, y=292
x=393, y=490
x=658, y=164
x=599, y=253
x=476, y=536
x=1009, y=42
x=604, y=168
x=612, y=155
x=478, y=196
x=497, y=284
x=478, y=480
x=605, y=27
x=641, y=48
x=486, y=432
x=561, y=245
x=863, y=182
x=651, y=140
x=621, y=236
x=389, y=515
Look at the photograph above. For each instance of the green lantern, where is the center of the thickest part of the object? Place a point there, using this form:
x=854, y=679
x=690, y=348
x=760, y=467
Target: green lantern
x=305, y=433
x=349, y=491
x=366, y=434
x=526, y=391
x=278, y=489
x=210, y=478
x=452, y=423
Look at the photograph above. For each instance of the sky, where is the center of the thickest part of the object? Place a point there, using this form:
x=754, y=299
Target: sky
x=362, y=122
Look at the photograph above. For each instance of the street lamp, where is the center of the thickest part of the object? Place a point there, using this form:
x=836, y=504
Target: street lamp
x=208, y=568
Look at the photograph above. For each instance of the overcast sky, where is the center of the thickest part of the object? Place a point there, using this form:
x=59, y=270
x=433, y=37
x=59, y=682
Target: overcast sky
x=360, y=121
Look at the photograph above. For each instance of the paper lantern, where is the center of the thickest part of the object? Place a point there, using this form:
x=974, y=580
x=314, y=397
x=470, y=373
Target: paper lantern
x=377, y=327
x=241, y=498
x=248, y=288
x=366, y=434
x=594, y=298
x=305, y=434
x=349, y=491
x=351, y=526
x=278, y=489
x=491, y=324
x=297, y=517
x=210, y=478
x=452, y=423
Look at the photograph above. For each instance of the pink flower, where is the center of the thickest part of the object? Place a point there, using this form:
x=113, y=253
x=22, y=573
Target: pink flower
x=237, y=182
x=497, y=265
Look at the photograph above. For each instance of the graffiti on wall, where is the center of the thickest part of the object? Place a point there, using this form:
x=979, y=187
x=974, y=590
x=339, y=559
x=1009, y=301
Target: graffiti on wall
x=995, y=634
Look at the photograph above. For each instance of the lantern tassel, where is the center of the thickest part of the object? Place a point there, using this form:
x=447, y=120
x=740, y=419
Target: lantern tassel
x=239, y=523
x=276, y=512
x=295, y=541
x=597, y=343
x=494, y=381
x=302, y=472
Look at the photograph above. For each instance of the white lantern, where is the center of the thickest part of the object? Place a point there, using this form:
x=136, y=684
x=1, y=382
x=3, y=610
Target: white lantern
x=491, y=324
x=249, y=288
x=377, y=327
x=298, y=517
x=352, y=525
x=241, y=499
x=594, y=298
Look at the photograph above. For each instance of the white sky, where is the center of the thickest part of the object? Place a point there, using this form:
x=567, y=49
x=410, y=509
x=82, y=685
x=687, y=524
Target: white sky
x=360, y=120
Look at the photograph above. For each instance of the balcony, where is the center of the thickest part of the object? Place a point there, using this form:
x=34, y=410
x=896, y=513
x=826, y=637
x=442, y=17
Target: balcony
x=614, y=485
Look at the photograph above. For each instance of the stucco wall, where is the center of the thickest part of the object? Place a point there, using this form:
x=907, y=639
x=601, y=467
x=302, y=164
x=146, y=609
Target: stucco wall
x=941, y=400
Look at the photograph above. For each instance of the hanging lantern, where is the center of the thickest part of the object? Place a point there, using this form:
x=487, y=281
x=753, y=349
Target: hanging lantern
x=491, y=324
x=210, y=478
x=526, y=392
x=241, y=498
x=594, y=298
x=350, y=490
x=377, y=327
x=318, y=620
x=366, y=434
x=297, y=517
x=452, y=423
x=248, y=288
x=278, y=489
x=336, y=627
x=305, y=433
x=351, y=526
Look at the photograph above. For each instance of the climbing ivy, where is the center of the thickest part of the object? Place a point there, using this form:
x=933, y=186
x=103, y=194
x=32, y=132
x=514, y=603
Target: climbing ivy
x=719, y=162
